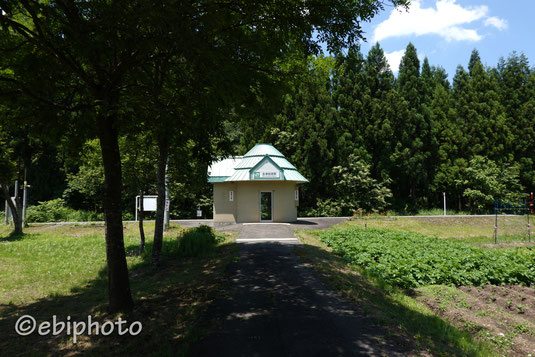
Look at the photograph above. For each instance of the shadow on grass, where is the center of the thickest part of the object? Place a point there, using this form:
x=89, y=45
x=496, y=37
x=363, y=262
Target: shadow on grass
x=168, y=300
x=396, y=310
x=13, y=237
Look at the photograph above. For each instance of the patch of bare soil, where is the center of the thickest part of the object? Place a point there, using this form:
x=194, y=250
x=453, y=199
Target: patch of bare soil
x=504, y=315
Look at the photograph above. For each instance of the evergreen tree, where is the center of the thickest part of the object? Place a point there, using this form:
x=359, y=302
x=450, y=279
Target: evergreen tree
x=348, y=91
x=306, y=131
x=517, y=95
x=380, y=102
x=482, y=115
x=411, y=152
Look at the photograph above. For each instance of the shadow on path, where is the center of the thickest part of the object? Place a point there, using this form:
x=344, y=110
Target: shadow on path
x=276, y=307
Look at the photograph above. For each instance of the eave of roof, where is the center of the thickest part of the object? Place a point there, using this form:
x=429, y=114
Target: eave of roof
x=213, y=179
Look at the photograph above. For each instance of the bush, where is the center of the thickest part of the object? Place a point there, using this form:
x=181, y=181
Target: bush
x=197, y=241
x=409, y=260
x=324, y=208
x=57, y=211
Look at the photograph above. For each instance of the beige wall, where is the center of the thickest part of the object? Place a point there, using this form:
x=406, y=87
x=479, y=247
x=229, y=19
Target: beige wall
x=224, y=210
x=246, y=205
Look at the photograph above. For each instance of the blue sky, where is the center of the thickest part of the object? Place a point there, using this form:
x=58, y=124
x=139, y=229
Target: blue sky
x=446, y=31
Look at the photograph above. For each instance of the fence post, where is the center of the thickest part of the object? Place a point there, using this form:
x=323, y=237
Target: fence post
x=495, y=222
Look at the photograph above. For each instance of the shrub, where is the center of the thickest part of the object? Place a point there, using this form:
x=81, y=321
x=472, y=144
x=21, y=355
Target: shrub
x=197, y=241
x=57, y=211
x=409, y=260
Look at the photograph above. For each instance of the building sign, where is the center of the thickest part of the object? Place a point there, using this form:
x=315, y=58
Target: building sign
x=231, y=196
x=297, y=195
x=267, y=175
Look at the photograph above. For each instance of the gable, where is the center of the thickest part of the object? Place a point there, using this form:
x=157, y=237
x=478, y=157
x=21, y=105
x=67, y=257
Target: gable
x=266, y=169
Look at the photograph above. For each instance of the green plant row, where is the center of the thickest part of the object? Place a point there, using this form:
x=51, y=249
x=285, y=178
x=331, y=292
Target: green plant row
x=409, y=260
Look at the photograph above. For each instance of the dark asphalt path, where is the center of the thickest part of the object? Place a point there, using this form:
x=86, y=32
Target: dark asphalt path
x=276, y=307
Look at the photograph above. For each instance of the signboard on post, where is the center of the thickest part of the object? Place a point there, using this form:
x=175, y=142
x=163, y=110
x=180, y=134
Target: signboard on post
x=149, y=204
x=199, y=213
x=167, y=205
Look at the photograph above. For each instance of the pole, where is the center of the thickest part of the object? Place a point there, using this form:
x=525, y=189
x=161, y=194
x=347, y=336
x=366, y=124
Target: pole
x=16, y=194
x=496, y=222
x=7, y=214
x=137, y=199
x=529, y=230
x=444, y=194
x=166, y=211
x=24, y=201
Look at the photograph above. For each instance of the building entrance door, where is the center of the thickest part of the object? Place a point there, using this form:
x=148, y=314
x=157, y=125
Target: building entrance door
x=266, y=206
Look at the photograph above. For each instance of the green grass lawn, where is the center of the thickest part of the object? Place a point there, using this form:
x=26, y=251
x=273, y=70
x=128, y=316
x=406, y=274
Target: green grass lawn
x=61, y=270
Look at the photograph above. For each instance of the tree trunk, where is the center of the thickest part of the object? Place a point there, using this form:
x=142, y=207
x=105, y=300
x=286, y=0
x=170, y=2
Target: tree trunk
x=141, y=230
x=120, y=298
x=14, y=208
x=163, y=146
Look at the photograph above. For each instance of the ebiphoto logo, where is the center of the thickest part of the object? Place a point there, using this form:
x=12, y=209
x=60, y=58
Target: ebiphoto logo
x=27, y=324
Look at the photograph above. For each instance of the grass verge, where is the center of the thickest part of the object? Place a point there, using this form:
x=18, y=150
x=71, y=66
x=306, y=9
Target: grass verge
x=61, y=271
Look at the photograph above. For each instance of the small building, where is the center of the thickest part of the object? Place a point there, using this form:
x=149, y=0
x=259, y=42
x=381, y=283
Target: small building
x=261, y=186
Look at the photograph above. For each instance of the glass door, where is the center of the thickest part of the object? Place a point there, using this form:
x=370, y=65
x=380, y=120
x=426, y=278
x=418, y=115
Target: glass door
x=266, y=206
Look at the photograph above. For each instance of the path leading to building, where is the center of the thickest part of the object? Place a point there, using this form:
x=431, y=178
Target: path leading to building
x=275, y=306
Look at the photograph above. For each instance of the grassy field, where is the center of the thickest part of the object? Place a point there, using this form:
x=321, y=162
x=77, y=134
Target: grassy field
x=61, y=270
x=439, y=319
x=510, y=228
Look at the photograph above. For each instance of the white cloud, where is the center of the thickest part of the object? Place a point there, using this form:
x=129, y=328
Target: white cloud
x=394, y=59
x=500, y=24
x=446, y=20
x=459, y=34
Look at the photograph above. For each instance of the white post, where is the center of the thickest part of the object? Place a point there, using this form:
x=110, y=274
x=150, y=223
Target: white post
x=7, y=214
x=167, y=203
x=24, y=201
x=444, y=193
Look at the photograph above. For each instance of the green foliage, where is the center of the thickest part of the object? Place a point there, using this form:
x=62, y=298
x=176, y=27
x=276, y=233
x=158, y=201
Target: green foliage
x=356, y=189
x=409, y=260
x=7, y=166
x=57, y=211
x=323, y=208
x=420, y=135
x=486, y=182
x=197, y=242
x=85, y=186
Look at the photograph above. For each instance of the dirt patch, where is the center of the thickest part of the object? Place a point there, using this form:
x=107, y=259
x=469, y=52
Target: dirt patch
x=503, y=315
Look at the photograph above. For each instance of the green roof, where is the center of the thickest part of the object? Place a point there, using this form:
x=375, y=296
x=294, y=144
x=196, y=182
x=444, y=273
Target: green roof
x=263, y=150
x=245, y=168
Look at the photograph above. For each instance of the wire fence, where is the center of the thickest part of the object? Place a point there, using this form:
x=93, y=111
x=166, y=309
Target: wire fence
x=513, y=220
